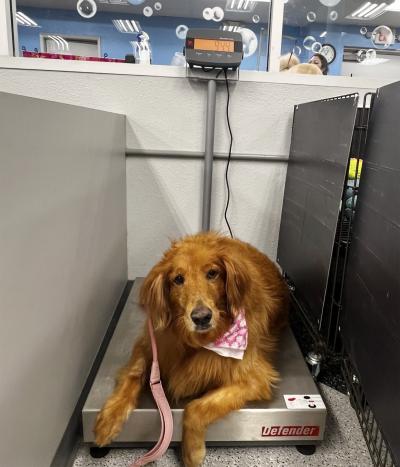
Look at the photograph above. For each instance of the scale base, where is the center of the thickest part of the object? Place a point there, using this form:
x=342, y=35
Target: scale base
x=258, y=424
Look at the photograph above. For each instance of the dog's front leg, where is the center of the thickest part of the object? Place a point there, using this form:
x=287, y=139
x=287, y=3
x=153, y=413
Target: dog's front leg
x=201, y=412
x=125, y=396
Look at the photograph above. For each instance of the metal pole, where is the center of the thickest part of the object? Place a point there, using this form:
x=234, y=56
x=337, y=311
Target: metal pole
x=259, y=48
x=157, y=153
x=209, y=154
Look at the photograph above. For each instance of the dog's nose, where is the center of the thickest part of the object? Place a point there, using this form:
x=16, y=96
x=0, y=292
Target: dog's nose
x=201, y=316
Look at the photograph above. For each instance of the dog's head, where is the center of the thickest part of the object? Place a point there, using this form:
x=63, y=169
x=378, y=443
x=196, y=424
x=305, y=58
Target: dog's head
x=197, y=289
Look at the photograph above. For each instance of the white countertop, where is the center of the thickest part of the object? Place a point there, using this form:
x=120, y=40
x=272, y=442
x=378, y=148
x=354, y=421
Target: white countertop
x=180, y=72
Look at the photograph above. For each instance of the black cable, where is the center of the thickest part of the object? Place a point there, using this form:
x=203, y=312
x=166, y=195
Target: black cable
x=219, y=72
x=229, y=154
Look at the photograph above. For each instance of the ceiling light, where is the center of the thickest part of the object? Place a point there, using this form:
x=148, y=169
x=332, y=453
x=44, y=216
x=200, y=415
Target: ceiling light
x=368, y=10
x=240, y=5
x=361, y=9
x=232, y=26
x=60, y=41
x=128, y=26
x=24, y=20
x=377, y=12
x=323, y=34
x=64, y=42
x=364, y=13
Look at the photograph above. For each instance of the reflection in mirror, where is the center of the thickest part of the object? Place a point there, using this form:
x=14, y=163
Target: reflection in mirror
x=146, y=31
x=356, y=37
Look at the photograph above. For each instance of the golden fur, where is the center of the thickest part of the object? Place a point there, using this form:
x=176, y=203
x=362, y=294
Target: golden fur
x=291, y=63
x=223, y=275
x=287, y=61
x=306, y=69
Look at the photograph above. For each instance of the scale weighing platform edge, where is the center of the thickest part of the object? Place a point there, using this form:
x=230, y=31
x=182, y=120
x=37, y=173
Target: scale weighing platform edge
x=259, y=423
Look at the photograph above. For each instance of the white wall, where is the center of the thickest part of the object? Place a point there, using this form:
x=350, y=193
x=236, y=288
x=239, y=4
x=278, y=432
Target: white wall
x=62, y=264
x=388, y=69
x=167, y=114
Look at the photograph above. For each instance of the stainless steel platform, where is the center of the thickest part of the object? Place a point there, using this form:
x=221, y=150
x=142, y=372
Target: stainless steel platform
x=258, y=423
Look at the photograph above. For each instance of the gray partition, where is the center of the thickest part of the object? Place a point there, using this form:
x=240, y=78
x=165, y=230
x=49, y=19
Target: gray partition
x=62, y=263
x=319, y=153
x=371, y=326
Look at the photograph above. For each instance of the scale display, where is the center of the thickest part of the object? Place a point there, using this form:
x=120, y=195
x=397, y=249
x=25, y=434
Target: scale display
x=215, y=45
x=213, y=48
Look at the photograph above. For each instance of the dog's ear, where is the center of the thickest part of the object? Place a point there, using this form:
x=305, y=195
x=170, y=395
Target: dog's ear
x=236, y=282
x=153, y=297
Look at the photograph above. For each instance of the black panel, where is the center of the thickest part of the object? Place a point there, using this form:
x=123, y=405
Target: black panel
x=371, y=324
x=319, y=154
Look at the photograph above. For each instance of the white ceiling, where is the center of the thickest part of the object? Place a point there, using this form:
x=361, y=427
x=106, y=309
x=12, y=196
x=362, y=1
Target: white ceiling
x=295, y=10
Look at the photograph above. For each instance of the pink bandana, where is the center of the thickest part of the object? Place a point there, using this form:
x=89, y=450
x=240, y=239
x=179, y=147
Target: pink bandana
x=234, y=342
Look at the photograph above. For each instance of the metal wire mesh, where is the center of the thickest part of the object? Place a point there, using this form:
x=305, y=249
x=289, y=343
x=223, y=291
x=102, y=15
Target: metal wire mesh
x=330, y=318
x=377, y=446
x=326, y=330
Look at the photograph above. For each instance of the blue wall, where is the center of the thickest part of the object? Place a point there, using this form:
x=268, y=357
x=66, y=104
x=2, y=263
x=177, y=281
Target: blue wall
x=293, y=36
x=161, y=30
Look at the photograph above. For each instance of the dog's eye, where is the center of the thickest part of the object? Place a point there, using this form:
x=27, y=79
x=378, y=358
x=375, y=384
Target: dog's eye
x=212, y=274
x=179, y=279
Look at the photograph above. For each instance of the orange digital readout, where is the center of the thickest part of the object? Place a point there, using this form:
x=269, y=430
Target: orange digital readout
x=214, y=45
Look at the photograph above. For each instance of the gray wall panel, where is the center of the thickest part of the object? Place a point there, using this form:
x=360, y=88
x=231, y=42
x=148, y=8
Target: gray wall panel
x=63, y=263
x=319, y=154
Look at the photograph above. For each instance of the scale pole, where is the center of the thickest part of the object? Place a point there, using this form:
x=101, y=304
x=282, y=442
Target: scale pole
x=209, y=153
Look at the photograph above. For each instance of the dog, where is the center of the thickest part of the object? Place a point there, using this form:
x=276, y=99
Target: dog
x=288, y=61
x=291, y=63
x=193, y=296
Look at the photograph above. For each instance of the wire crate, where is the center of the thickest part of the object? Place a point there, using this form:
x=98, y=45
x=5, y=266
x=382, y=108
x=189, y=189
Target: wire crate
x=325, y=330
x=377, y=446
x=320, y=337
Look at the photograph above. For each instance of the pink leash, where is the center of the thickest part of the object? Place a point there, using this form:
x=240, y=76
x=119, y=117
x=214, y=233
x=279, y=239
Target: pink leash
x=167, y=423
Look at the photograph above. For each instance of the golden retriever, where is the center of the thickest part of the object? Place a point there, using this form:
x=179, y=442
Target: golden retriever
x=291, y=63
x=192, y=297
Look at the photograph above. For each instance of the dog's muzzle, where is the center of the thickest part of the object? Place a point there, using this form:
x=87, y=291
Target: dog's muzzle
x=201, y=317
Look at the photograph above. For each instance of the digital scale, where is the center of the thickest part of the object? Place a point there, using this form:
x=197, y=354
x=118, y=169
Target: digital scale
x=296, y=415
x=213, y=48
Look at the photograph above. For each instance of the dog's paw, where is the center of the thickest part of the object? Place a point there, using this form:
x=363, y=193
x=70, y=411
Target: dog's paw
x=193, y=457
x=109, y=422
x=193, y=448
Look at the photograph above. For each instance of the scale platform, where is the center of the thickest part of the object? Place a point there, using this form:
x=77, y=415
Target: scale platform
x=279, y=421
